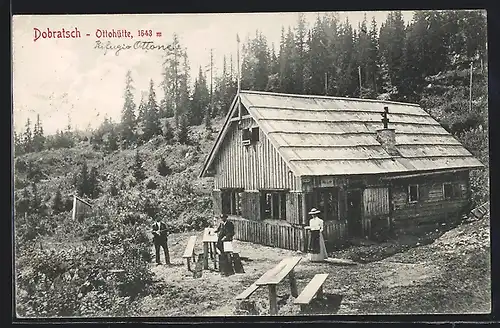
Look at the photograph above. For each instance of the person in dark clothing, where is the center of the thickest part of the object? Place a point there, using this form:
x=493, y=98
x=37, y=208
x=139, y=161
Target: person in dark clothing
x=159, y=230
x=225, y=232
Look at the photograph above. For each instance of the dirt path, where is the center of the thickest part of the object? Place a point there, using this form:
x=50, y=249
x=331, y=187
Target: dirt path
x=436, y=278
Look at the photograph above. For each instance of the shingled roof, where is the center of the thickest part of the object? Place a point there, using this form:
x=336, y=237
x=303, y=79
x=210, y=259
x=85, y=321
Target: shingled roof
x=319, y=135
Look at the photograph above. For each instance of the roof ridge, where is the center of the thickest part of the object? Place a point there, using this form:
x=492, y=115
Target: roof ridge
x=328, y=97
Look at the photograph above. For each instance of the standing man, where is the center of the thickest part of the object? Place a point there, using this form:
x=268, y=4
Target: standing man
x=160, y=240
x=225, y=232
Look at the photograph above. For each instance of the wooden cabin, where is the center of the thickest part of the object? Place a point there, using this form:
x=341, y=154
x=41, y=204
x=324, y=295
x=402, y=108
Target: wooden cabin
x=372, y=167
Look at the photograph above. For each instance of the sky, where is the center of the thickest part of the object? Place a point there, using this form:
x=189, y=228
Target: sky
x=59, y=78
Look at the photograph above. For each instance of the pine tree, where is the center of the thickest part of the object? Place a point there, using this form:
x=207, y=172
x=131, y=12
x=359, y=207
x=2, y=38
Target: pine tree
x=273, y=81
x=128, y=121
x=36, y=202
x=152, y=121
x=28, y=137
x=286, y=63
x=57, y=203
x=200, y=105
x=38, y=137
x=170, y=82
x=163, y=168
x=393, y=48
x=373, y=67
x=112, y=142
x=168, y=132
x=83, y=185
x=94, y=188
x=141, y=114
x=183, y=130
x=24, y=202
x=299, y=55
x=138, y=170
x=18, y=145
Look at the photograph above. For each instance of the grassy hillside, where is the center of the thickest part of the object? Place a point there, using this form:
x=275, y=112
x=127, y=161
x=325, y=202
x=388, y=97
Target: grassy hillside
x=56, y=170
x=65, y=267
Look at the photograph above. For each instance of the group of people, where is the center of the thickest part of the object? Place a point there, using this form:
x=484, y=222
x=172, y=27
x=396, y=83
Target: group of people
x=225, y=233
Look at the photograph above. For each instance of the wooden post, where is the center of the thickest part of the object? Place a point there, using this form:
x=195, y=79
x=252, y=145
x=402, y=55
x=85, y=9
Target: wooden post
x=470, y=88
x=320, y=294
x=273, y=300
x=205, y=257
x=188, y=261
x=293, y=283
x=214, y=255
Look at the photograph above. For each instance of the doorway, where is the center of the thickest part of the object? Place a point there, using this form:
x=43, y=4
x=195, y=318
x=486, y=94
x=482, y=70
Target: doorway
x=354, y=212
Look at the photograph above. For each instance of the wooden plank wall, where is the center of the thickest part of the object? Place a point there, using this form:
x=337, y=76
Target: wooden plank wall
x=375, y=207
x=217, y=202
x=250, y=205
x=376, y=201
x=293, y=209
x=432, y=208
x=254, y=167
x=286, y=236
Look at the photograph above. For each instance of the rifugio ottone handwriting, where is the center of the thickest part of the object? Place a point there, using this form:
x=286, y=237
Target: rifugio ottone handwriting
x=108, y=46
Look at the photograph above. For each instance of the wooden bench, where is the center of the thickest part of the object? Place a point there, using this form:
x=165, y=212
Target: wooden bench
x=189, y=252
x=314, y=287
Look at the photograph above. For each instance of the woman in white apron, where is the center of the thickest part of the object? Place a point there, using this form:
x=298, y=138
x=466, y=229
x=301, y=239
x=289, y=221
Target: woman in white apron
x=317, y=246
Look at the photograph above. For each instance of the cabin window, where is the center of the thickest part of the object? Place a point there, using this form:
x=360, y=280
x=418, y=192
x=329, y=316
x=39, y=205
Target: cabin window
x=413, y=193
x=451, y=191
x=327, y=203
x=231, y=202
x=246, y=137
x=255, y=134
x=250, y=136
x=273, y=205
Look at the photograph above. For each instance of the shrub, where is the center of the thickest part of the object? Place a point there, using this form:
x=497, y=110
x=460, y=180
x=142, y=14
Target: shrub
x=151, y=184
x=163, y=168
x=20, y=165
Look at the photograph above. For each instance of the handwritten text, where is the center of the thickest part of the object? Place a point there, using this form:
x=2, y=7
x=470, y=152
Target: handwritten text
x=138, y=45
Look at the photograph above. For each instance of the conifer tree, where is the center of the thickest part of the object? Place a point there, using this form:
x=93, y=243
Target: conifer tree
x=128, y=121
x=152, y=120
x=183, y=130
x=163, y=168
x=168, y=132
x=57, y=203
x=36, y=202
x=201, y=100
x=28, y=137
x=138, y=169
x=83, y=185
x=94, y=188
x=38, y=136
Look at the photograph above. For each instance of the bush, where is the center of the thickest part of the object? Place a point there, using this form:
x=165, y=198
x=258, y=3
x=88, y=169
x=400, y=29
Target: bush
x=20, y=165
x=195, y=221
x=151, y=184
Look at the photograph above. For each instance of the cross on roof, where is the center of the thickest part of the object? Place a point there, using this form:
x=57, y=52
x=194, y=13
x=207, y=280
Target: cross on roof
x=385, y=120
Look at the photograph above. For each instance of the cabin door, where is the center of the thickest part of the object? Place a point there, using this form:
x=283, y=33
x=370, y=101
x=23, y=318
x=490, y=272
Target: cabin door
x=354, y=212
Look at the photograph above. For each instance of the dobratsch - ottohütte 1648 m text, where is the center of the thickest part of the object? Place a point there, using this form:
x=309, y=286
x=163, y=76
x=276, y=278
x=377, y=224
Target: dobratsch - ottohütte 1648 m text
x=75, y=33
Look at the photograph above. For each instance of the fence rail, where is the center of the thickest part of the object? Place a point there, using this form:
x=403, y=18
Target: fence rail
x=286, y=236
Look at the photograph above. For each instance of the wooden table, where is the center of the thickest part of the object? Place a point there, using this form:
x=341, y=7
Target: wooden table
x=209, y=247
